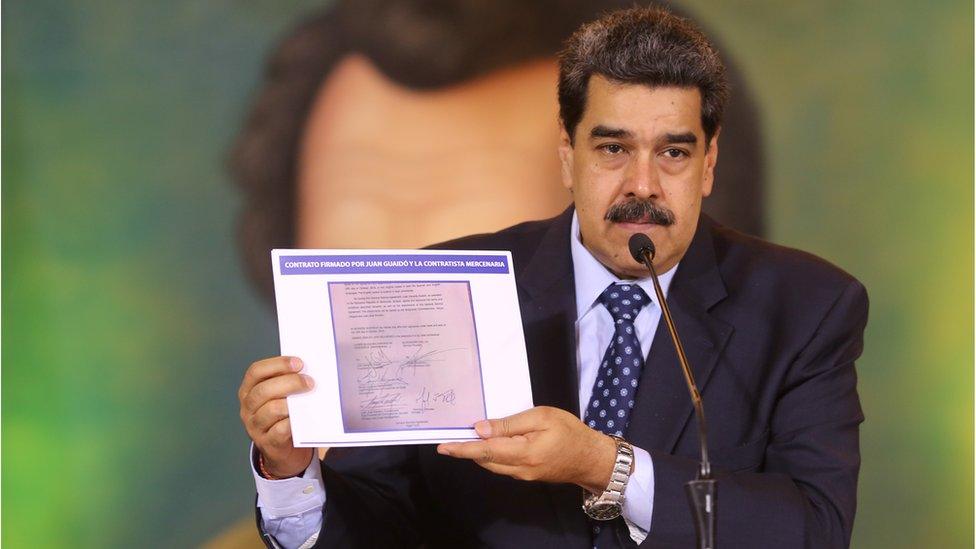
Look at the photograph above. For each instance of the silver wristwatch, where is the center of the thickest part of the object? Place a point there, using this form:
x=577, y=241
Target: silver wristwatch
x=609, y=504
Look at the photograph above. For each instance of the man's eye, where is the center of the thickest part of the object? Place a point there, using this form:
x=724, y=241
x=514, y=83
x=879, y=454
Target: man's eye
x=675, y=153
x=613, y=148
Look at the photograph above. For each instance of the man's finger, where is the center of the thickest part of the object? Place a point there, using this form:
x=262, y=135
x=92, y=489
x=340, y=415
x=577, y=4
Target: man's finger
x=507, y=470
x=489, y=458
x=265, y=369
x=533, y=419
x=274, y=388
x=279, y=435
x=269, y=413
x=479, y=450
x=502, y=451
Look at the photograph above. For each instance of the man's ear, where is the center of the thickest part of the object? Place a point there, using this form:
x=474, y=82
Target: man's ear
x=711, y=158
x=565, y=158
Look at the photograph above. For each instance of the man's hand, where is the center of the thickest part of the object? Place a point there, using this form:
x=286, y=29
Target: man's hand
x=264, y=412
x=545, y=444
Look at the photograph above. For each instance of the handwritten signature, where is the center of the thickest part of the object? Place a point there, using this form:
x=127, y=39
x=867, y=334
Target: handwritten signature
x=424, y=399
x=381, y=400
x=380, y=367
x=446, y=397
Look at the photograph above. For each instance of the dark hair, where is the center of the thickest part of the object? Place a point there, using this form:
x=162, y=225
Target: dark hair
x=649, y=46
x=421, y=44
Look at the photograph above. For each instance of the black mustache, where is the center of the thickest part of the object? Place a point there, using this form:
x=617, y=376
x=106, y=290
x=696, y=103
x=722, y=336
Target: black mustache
x=640, y=211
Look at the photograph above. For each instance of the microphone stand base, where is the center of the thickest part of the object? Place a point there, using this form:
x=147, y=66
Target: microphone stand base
x=701, y=498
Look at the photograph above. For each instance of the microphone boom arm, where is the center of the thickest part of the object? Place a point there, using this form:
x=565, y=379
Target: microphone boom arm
x=705, y=470
x=701, y=491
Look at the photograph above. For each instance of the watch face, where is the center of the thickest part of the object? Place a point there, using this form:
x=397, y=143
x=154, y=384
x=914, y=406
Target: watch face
x=603, y=510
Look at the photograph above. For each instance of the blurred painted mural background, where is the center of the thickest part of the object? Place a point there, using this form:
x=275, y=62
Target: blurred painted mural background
x=127, y=321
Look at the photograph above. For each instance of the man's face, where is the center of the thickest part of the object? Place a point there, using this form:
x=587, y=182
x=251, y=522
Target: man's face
x=638, y=164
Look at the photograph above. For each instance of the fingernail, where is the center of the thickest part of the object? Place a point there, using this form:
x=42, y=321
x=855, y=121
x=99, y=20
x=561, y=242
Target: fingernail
x=443, y=450
x=483, y=428
x=309, y=382
x=295, y=363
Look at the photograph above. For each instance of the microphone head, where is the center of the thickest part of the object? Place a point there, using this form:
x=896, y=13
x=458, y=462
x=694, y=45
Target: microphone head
x=639, y=244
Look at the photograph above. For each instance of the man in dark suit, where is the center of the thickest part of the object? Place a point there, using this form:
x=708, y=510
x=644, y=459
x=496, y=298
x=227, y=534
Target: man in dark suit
x=771, y=333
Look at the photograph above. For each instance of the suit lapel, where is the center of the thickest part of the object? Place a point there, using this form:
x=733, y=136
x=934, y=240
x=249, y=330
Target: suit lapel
x=548, y=303
x=663, y=406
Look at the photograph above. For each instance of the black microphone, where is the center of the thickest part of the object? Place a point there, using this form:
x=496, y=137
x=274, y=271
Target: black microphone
x=701, y=491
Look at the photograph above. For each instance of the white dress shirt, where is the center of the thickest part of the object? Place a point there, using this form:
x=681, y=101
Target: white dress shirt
x=291, y=509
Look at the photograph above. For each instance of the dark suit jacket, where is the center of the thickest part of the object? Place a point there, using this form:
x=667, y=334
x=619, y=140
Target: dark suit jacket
x=771, y=334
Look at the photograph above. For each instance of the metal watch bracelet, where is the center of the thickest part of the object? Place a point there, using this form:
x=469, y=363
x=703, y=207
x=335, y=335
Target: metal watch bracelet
x=609, y=504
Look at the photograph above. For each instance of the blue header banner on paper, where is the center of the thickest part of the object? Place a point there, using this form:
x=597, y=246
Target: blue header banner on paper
x=393, y=264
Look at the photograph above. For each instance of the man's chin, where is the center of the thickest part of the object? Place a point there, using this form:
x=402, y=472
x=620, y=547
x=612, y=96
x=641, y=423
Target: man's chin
x=621, y=233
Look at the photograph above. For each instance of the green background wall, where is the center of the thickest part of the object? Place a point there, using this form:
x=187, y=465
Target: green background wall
x=127, y=322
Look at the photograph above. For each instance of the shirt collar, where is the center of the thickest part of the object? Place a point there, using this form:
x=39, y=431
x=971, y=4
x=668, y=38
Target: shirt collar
x=592, y=277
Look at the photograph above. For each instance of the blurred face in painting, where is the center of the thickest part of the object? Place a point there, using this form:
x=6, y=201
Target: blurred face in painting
x=383, y=166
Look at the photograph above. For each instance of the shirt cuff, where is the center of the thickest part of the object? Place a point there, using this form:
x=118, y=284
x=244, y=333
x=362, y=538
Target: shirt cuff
x=639, y=496
x=290, y=496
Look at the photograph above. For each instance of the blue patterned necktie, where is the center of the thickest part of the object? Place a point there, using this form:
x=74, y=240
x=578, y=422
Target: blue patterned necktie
x=616, y=382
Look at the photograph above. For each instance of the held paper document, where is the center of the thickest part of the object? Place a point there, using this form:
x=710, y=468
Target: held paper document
x=405, y=347
x=397, y=340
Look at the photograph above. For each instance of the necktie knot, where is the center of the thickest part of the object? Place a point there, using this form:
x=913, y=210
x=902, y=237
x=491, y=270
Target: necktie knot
x=624, y=301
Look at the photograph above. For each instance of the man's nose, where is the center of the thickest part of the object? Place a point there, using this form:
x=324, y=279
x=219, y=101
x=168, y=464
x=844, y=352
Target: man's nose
x=642, y=179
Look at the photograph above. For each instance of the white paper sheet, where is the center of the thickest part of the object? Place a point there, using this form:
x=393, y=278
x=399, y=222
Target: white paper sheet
x=405, y=347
